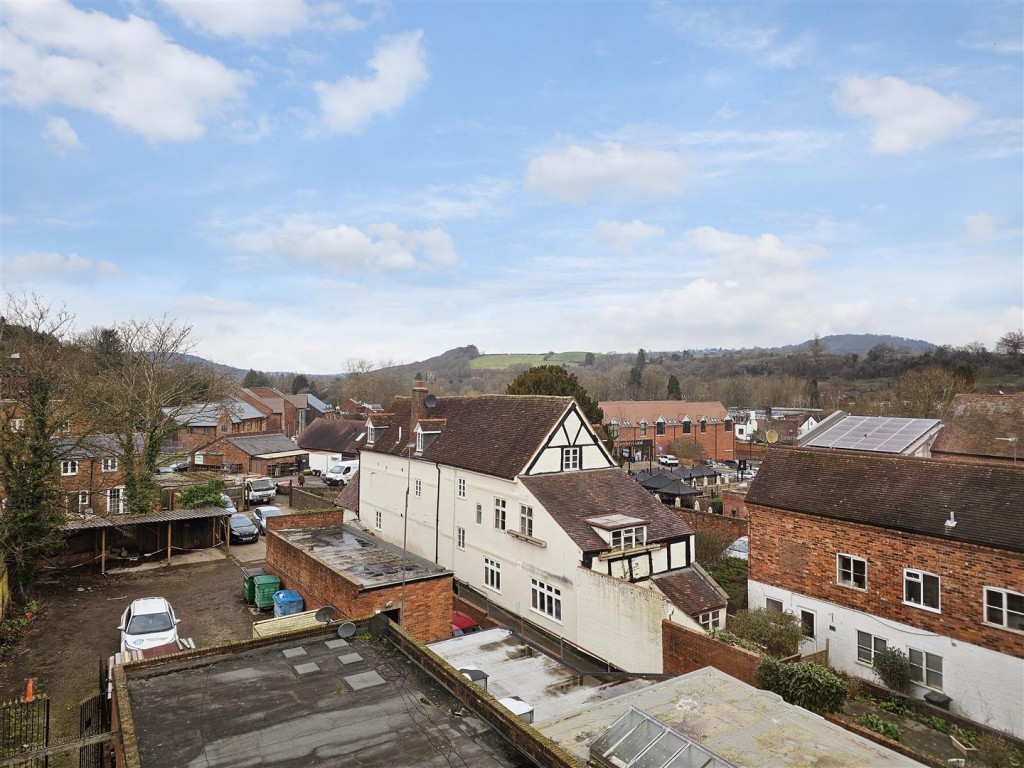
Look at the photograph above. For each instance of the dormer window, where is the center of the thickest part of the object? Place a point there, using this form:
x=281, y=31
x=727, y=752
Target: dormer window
x=659, y=427
x=424, y=439
x=686, y=425
x=627, y=538
x=643, y=428
x=371, y=434
x=613, y=429
x=703, y=425
x=620, y=531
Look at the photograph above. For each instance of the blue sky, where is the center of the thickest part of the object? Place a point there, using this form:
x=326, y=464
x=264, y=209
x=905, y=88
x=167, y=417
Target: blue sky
x=310, y=183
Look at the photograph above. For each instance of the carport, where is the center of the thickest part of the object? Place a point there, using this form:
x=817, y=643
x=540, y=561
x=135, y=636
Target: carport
x=150, y=533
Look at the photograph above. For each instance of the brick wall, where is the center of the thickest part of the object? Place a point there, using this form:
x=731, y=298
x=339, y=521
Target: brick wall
x=798, y=552
x=734, y=504
x=684, y=650
x=699, y=521
x=718, y=444
x=428, y=602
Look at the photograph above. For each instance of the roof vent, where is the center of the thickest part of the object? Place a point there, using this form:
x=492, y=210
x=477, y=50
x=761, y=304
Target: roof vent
x=951, y=523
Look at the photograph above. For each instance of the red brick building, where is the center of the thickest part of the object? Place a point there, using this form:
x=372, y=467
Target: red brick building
x=289, y=414
x=648, y=428
x=878, y=551
x=91, y=476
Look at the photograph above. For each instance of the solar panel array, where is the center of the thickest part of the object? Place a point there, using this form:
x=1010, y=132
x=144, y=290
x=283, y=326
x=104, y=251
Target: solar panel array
x=883, y=434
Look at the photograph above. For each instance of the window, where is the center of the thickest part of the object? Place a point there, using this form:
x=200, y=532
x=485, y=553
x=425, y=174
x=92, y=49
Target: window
x=1004, y=608
x=371, y=435
x=83, y=501
x=419, y=442
x=867, y=646
x=419, y=487
x=499, y=514
x=479, y=513
x=378, y=521
x=627, y=538
x=462, y=487
x=775, y=606
x=926, y=668
x=492, y=574
x=69, y=467
x=571, y=458
x=460, y=538
x=546, y=599
x=659, y=428
x=526, y=520
x=807, y=623
x=115, y=504
x=109, y=465
x=851, y=572
x=711, y=620
x=613, y=429
x=921, y=589
x=703, y=426
x=728, y=425
x=686, y=426
x=643, y=429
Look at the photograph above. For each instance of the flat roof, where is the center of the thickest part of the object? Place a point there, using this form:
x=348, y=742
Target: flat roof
x=515, y=669
x=743, y=725
x=359, y=557
x=306, y=701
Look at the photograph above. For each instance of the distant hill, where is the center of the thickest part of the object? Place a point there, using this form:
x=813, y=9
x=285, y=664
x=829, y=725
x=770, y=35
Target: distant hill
x=862, y=343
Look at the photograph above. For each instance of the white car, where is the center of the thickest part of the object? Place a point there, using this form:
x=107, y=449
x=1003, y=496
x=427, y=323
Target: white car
x=260, y=515
x=147, y=623
x=668, y=460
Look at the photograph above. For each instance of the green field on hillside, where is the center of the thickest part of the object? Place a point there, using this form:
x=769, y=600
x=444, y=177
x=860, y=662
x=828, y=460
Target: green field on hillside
x=500, y=362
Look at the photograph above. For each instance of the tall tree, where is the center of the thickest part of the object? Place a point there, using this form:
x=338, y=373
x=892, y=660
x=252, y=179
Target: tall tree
x=555, y=380
x=1011, y=343
x=139, y=394
x=675, y=392
x=300, y=383
x=255, y=379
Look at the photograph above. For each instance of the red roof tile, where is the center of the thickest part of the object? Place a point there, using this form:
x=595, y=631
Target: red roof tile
x=974, y=422
x=691, y=590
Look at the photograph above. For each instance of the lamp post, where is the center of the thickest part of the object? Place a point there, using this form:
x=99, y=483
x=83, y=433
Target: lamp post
x=1012, y=439
x=405, y=532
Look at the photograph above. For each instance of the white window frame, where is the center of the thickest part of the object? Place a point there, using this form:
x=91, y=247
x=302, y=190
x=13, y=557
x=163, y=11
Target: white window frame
x=872, y=646
x=572, y=458
x=526, y=520
x=773, y=605
x=546, y=600
x=120, y=500
x=109, y=464
x=378, y=520
x=418, y=485
x=419, y=442
x=627, y=538
x=1003, y=608
x=924, y=670
x=479, y=514
x=460, y=539
x=69, y=467
x=500, y=514
x=915, y=579
x=462, y=487
x=492, y=574
x=711, y=620
x=83, y=501
x=851, y=583
x=814, y=623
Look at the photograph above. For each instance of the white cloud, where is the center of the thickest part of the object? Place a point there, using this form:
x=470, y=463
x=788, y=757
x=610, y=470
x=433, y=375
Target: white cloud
x=55, y=265
x=61, y=137
x=399, y=66
x=981, y=226
x=578, y=174
x=624, y=237
x=380, y=245
x=248, y=20
x=213, y=305
x=124, y=70
x=906, y=117
x=763, y=254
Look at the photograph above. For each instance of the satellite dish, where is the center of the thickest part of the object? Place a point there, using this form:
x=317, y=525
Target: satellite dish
x=346, y=630
x=379, y=624
x=771, y=436
x=430, y=401
x=325, y=614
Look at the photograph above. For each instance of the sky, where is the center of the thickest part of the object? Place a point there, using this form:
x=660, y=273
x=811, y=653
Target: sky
x=313, y=183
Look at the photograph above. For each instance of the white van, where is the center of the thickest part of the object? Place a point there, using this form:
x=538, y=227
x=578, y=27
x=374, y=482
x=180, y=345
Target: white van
x=260, y=491
x=341, y=473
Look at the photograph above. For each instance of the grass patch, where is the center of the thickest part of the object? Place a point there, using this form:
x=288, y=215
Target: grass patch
x=501, y=362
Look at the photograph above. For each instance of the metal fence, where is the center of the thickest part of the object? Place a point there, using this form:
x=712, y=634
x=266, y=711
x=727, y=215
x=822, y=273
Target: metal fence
x=24, y=727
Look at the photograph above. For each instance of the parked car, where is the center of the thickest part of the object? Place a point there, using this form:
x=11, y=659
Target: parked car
x=282, y=486
x=260, y=515
x=147, y=623
x=228, y=503
x=259, y=490
x=242, y=529
x=668, y=460
x=463, y=624
x=739, y=549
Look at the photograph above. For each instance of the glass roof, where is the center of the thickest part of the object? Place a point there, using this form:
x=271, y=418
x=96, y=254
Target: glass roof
x=637, y=740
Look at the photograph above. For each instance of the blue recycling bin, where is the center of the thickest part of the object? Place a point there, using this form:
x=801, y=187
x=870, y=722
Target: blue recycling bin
x=287, y=602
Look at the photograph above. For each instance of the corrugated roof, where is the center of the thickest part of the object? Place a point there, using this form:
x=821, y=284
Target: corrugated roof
x=899, y=492
x=974, y=424
x=164, y=516
x=572, y=497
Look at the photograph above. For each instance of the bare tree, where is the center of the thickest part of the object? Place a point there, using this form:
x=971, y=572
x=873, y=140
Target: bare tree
x=927, y=392
x=1011, y=343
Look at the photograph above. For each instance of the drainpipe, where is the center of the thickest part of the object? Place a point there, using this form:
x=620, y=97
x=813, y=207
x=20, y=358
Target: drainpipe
x=437, y=516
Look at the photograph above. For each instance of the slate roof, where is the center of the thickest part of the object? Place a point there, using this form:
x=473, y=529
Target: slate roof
x=901, y=493
x=258, y=445
x=348, y=497
x=973, y=422
x=208, y=414
x=571, y=497
x=691, y=590
x=634, y=410
x=491, y=434
x=333, y=435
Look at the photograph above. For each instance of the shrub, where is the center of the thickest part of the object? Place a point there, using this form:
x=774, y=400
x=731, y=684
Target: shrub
x=778, y=632
x=731, y=575
x=202, y=495
x=893, y=668
x=880, y=725
x=804, y=684
x=994, y=751
x=731, y=639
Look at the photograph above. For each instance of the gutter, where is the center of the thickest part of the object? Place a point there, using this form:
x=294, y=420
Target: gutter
x=437, y=517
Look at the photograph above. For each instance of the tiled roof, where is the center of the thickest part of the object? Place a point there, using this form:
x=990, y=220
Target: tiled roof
x=491, y=434
x=973, y=423
x=672, y=410
x=691, y=590
x=571, y=497
x=348, y=497
x=258, y=445
x=340, y=435
x=898, y=492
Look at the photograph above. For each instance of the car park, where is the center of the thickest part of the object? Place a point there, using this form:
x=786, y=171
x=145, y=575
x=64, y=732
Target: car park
x=242, y=530
x=148, y=623
x=260, y=515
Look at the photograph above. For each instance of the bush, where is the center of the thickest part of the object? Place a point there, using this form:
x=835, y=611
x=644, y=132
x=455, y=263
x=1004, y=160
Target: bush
x=731, y=639
x=893, y=668
x=202, y=495
x=731, y=575
x=806, y=685
x=880, y=725
x=778, y=632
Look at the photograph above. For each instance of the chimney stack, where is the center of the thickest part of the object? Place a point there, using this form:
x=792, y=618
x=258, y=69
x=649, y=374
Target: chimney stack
x=419, y=409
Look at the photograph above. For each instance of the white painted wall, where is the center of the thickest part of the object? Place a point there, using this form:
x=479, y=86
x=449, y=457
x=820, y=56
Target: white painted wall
x=985, y=685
